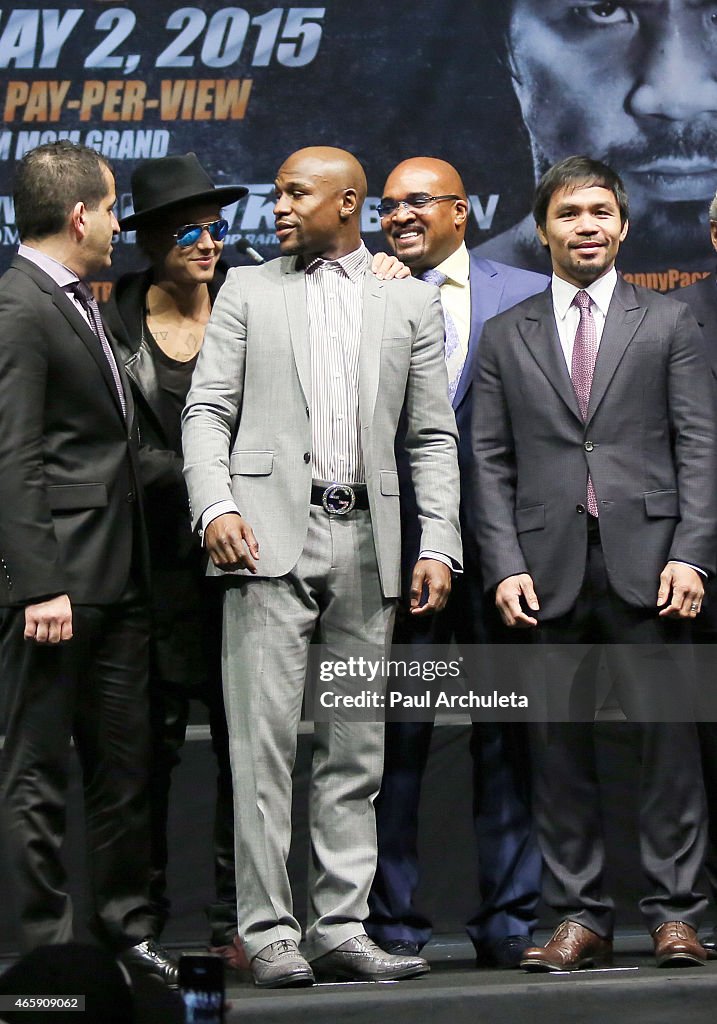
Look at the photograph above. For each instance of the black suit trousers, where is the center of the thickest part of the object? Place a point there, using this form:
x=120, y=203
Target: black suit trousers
x=566, y=805
x=92, y=688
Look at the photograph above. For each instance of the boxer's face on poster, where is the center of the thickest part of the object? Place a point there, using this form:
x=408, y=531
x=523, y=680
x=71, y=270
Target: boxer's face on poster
x=634, y=85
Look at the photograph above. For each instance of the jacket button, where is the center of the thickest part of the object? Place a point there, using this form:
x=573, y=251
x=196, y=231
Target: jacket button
x=307, y=410
x=588, y=446
x=307, y=456
x=580, y=509
x=130, y=497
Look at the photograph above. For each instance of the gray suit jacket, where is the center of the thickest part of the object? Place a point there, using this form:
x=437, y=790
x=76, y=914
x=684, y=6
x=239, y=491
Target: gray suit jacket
x=649, y=443
x=247, y=427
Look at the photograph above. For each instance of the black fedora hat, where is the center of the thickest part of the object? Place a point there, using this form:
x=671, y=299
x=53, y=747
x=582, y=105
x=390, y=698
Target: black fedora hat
x=169, y=181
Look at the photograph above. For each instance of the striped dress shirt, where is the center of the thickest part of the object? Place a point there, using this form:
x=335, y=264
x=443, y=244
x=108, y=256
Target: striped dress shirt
x=334, y=304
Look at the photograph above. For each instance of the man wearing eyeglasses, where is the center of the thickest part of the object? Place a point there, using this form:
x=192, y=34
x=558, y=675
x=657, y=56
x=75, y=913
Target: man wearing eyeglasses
x=424, y=211
x=289, y=430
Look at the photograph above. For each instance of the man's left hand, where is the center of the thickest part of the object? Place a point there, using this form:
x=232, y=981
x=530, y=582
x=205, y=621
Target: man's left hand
x=684, y=588
x=386, y=267
x=435, y=576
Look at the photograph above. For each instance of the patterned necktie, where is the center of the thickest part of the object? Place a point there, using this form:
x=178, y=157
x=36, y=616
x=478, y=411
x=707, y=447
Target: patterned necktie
x=84, y=294
x=582, y=366
x=452, y=347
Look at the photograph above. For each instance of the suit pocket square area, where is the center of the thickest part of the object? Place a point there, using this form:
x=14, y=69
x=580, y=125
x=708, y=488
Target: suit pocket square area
x=662, y=503
x=530, y=518
x=251, y=463
x=69, y=497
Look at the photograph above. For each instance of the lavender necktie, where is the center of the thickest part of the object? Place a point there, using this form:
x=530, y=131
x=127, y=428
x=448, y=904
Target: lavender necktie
x=582, y=366
x=84, y=294
x=452, y=350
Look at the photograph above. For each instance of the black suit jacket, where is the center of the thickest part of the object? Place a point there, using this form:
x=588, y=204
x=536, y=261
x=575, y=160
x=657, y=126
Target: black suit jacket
x=702, y=300
x=70, y=507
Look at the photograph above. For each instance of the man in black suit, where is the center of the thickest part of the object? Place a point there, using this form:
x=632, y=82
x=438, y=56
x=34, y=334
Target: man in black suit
x=74, y=633
x=702, y=300
x=596, y=513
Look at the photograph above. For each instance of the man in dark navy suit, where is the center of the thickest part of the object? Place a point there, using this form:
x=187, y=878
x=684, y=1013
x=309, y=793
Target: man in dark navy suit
x=424, y=212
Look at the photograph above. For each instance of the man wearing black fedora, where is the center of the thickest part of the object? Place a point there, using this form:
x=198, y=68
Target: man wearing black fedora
x=157, y=317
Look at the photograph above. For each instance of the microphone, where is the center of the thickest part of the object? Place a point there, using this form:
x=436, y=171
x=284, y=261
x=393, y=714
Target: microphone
x=245, y=247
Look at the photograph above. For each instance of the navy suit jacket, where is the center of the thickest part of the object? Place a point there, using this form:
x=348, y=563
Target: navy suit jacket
x=494, y=287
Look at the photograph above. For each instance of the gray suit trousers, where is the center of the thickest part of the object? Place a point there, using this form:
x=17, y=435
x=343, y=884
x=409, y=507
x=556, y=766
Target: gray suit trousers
x=268, y=625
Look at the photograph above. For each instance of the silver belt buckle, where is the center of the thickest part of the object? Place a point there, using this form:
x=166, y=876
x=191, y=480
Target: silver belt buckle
x=338, y=499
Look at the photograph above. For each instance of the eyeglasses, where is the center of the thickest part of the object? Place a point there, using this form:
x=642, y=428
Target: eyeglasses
x=189, y=234
x=387, y=207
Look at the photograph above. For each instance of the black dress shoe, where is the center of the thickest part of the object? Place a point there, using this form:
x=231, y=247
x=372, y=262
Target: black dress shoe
x=400, y=947
x=151, y=958
x=503, y=953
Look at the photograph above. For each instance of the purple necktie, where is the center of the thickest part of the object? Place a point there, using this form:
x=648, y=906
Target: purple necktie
x=84, y=294
x=582, y=366
x=451, y=347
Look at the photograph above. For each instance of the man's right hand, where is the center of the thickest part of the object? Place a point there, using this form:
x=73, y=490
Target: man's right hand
x=231, y=543
x=49, y=622
x=507, y=599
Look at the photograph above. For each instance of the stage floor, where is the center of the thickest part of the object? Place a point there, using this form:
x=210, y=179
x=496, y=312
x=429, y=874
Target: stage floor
x=455, y=992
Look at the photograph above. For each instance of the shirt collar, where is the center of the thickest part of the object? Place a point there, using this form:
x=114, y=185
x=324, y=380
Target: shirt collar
x=456, y=266
x=352, y=265
x=600, y=292
x=60, y=274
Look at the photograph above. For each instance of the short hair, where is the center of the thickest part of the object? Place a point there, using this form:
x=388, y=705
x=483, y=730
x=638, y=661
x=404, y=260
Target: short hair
x=578, y=171
x=713, y=209
x=50, y=180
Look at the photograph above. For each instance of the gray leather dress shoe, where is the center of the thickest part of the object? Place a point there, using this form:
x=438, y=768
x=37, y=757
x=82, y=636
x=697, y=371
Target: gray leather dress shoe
x=280, y=965
x=151, y=958
x=360, y=959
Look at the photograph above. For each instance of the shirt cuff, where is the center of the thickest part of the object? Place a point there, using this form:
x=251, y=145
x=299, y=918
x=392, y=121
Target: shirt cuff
x=455, y=567
x=695, y=567
x=219, y=508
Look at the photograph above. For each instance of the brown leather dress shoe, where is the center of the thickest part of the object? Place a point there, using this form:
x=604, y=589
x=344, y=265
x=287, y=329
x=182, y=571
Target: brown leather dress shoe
x=570, y=947
x=677, y=945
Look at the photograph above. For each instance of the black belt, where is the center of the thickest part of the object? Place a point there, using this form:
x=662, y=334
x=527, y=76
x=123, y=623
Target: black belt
x=339, y=499
x=593, y=529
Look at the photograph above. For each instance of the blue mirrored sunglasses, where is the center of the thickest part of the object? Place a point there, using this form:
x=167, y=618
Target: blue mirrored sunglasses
x=189, y=234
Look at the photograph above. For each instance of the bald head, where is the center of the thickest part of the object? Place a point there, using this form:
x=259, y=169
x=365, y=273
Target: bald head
x=423, y=237
x=319, y=194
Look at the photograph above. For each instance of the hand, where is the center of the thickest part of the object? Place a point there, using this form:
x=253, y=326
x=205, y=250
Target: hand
x=386, y=267
x=231, y=543
x=49, y=622
x=435, y=576
x=507, y=599
x=686, y=587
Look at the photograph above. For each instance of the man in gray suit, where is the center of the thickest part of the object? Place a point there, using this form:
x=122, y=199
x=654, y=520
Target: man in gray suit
x=308, y=363
x=596, y=484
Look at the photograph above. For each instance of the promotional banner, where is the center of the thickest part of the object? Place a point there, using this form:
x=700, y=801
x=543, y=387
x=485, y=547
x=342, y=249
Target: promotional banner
x=499, y=90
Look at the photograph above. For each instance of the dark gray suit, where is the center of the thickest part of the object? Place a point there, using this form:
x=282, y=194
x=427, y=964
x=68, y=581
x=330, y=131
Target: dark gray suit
x=649, y=444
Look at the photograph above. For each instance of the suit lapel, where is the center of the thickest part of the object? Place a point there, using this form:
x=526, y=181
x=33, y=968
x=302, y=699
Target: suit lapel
x=94, y=346
x=624, y=316
x=486, y=288
x=295, y=299
x=540, y=334
x=374, y=309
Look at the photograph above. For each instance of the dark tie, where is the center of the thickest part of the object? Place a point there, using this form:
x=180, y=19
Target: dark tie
x=582, y=367
x=84, y=294
x=452, y=347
